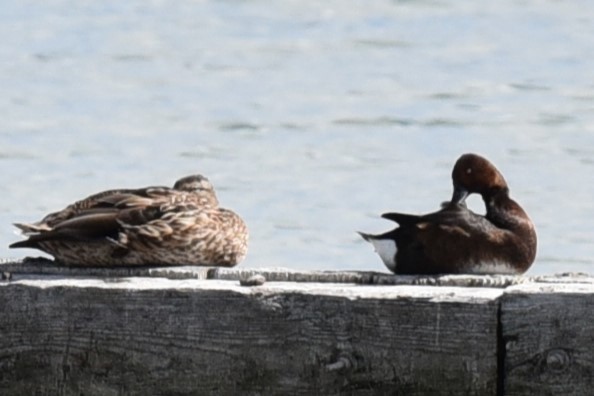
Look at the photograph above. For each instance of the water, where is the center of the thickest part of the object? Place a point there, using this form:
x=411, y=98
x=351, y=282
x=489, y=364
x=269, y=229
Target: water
x=311, y=118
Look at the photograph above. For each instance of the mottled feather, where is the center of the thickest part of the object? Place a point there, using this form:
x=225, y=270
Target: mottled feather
x=183, y=225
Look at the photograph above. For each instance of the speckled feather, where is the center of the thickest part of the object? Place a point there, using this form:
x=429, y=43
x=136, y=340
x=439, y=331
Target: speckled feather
x=182, y=225
x=194, y=188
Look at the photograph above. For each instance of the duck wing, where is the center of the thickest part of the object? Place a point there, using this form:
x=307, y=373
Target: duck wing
x=80, y=228
x=93, y=224
x=159, y=222
x=448, y=241
x=110, y=201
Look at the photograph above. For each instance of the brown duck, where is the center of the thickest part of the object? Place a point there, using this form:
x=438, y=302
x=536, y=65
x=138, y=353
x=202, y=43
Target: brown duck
x=183, y=225
x=457, y=240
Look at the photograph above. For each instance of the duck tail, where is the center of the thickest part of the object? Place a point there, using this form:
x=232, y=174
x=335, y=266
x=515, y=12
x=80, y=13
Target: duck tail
x=385, y=246
x=367, y=237
x=402, y=218
x=27, y=243
x=30, y=229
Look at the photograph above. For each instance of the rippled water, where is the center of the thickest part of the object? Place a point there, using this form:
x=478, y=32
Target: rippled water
x=311, y=118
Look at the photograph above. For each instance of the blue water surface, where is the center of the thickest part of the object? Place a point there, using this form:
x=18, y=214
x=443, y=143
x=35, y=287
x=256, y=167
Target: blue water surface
x=311, y=118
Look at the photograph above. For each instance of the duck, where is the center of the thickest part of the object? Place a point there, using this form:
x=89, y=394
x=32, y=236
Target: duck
x=454, y=239
x=166, y=226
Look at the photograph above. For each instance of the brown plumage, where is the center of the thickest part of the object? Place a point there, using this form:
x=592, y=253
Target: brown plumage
x=456, y=240
x=183, y=225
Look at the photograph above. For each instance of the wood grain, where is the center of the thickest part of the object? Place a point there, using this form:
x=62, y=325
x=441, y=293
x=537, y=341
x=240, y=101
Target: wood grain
x=42, y=266
x=159, y=336
x=193, y=330
x=548, y=335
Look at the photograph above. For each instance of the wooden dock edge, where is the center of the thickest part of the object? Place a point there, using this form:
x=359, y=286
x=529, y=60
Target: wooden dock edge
x=188, y=330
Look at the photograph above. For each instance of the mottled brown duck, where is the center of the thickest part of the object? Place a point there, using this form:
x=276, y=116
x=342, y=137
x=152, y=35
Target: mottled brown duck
x=183, y=225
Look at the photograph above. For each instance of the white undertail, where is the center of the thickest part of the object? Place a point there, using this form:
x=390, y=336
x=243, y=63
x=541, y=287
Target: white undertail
x=386, y=248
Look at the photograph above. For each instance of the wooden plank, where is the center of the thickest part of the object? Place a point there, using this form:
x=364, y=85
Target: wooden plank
x=367, y=278
x=548, y=337
x=160, y=336
x=41, y=266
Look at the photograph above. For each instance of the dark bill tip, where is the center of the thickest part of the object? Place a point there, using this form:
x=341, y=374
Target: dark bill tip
x=460, y=195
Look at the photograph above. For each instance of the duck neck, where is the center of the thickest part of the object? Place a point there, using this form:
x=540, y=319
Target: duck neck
x=506, y=214
x=502, y=210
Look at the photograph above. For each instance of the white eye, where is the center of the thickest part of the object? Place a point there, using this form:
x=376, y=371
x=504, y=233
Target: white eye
x=469, y=170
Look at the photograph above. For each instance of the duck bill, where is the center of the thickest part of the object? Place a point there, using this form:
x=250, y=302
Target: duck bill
x=460, y=195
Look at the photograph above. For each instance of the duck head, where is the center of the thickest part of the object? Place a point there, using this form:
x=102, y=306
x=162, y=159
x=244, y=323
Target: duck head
x=200, y=187
x=193, y=183
x=475, y=174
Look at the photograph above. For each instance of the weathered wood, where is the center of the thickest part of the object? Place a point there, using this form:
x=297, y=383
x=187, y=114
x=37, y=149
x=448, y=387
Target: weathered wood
x=289, y=275
x=366, y=278
x=548, y=337
x=43, y=266
x=160, y=336
x=193, y=330
x=39, y=266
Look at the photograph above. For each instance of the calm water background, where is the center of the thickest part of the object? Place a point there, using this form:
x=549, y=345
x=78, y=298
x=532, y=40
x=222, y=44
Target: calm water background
x=311, y=118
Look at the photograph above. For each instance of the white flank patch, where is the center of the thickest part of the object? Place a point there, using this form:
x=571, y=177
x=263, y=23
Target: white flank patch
x=486, y=268
x=386, y=248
